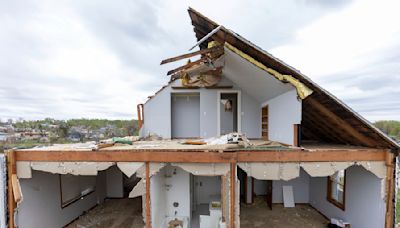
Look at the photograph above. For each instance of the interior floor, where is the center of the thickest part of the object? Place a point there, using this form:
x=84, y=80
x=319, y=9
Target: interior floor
x=113, y=213
x=258, y=214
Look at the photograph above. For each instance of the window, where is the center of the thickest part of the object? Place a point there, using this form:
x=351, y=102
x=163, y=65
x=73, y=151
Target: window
x=337, y=189
x=74, y=188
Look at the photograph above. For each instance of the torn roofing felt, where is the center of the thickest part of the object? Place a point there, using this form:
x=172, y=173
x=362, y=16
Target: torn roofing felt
x=325, y=117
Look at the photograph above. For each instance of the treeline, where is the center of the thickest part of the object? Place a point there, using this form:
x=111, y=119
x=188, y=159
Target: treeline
x=129, y=127
x=390, y=127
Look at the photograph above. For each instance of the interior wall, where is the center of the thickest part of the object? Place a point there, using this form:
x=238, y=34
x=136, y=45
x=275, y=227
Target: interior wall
x=207, y=188
x=178, y=191
x=170, y=185
x=157, y=112
x=115, y=186
x=185, y=114
x=41, y=205
x=364, y=206
x=300, y=188
x=300, y=185
x=284, y=112
x=208, y=113
x=250, y=116
x=157, y=196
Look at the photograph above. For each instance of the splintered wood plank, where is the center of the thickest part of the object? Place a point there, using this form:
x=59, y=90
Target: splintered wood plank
x=11, y=169
x=188, y=55
x=148, y=205
x=188, y=65
x=232, y=189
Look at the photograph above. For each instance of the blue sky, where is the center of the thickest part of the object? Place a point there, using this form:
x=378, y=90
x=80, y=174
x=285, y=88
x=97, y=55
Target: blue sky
x=98, y=59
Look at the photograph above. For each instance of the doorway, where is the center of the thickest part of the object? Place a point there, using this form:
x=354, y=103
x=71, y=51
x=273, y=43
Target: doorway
x=228, y=112
x=206, y=201
x=185, y=115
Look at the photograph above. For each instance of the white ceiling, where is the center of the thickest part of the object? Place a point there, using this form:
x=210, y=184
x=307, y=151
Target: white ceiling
x=254, y=81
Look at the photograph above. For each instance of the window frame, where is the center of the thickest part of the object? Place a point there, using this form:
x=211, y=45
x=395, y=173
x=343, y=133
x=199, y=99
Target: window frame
x=329, y=197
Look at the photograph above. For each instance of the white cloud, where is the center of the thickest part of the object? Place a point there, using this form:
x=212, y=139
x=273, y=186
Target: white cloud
x=69, y=59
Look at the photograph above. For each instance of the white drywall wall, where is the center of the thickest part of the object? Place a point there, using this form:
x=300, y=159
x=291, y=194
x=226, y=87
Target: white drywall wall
x=178, y=190
x=41, y=205
x=157, y=196
x=364, y=205
x=207, y=188
x=208, y=113
x=300, y=188
x=185, y=115
x=284, y=111
x=157, y=114
x=251, y=116
x=115, y=186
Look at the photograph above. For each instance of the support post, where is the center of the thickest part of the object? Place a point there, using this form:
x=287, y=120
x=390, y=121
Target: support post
x=11, y=169
x=233, y=197
x=390, y=190
x=148, y=209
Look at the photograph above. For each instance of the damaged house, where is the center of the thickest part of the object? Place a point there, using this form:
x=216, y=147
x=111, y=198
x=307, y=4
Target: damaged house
x=237, y=138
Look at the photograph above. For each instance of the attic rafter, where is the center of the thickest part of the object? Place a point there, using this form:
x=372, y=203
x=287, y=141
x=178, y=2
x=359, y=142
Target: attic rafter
x=320, y=128
x=340, y=122
x=188, y=55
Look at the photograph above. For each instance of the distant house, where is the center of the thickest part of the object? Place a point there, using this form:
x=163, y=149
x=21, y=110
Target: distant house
x=237, y=125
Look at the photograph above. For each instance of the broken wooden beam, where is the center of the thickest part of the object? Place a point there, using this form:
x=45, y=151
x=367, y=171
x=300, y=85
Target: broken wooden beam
x=188, y=55
x=196, y=87
x=233, y=197
x=148, y=204
x=188, y=65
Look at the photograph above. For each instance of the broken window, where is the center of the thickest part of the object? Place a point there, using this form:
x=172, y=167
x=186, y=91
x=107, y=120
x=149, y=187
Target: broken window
x=337, y=189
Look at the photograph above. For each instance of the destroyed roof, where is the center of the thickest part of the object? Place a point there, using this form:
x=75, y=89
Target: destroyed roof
x=324, y=117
